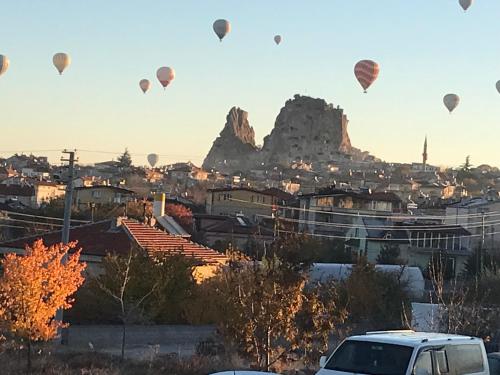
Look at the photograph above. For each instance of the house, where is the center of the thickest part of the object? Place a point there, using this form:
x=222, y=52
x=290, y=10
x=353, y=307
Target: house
x=453, y=242
x=120, y=236
x=480, y=216
x=418, y=242
x=23, y=194
x=369, y=235
x=47, y=191
x=238, y=230
x=6, y=172
x=252, y=203
x=83, y=196
x=332, y=210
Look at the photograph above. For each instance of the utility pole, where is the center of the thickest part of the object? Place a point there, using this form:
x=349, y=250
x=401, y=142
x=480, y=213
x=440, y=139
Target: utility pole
x=68, y=197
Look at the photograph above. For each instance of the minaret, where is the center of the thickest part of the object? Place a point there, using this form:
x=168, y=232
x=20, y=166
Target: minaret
x=424, y=154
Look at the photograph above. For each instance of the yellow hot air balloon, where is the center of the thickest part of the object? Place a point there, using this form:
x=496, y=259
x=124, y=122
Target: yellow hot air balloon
x=222, y=28
x=4, y=64
x=451, y=101
x=61, y=61
x=145, y=85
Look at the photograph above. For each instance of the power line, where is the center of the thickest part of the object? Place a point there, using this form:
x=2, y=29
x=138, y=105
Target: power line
x=31, y=222
x=387, y=216
x=367, y=238
x=429, y=227
x=41, y=217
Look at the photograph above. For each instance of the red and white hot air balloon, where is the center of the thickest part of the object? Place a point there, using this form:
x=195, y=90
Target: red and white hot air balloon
x=145, y=85
x=165, y=75
x=366, y=72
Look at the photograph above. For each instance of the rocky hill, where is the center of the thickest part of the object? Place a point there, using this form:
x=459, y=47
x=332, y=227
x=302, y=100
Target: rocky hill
x=235, y=147
x=306, y=129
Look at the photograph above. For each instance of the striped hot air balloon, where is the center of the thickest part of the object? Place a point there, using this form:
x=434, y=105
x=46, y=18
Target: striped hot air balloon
x=366, y=72
x=61, y=61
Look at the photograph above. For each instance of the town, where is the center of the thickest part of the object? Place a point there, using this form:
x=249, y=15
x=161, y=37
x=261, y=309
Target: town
x=249, y=188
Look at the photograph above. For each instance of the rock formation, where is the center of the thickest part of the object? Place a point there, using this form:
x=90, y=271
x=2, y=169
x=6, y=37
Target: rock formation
x=306, y=129
x=235, y=147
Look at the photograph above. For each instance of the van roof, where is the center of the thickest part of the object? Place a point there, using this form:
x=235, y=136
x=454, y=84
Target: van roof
x=414, y=339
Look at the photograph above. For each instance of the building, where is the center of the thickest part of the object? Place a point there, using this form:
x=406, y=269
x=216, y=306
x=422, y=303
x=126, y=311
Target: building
x=418, y=242
x=237, y=230
x=480, y=217
x=120, y=236
x=331, y=211
x=31, y=195
x=99, y=195
x=369, y=235
x=254, y=204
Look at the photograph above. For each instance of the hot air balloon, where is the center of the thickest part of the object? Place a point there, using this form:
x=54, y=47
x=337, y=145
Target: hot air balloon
x=465, y=4
x=61, y=61
x=145, y=85
x=222, y=28
x=277, y=39
x=153, y=159
x=4, y=64
x=451, y=101
x=165, y=75
x=366, y=72
x=498, y=86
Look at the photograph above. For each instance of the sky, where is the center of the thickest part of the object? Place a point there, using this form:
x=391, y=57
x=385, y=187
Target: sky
x=425, y=49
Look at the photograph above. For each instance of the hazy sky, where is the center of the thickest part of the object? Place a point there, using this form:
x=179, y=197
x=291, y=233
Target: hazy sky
x=425, y=49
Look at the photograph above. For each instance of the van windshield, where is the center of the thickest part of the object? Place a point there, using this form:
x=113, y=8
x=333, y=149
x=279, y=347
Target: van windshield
x=373, y=358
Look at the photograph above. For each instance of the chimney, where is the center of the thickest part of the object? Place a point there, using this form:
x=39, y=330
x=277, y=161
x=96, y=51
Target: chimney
x=159, y=205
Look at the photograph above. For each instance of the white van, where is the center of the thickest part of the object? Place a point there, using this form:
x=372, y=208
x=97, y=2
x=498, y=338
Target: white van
x=407, y=353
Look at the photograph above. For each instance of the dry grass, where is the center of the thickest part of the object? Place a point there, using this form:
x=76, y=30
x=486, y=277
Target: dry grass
x=14, y=362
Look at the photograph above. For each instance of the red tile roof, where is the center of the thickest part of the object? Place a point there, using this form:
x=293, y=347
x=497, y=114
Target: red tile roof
x=95, y=239
x=105, y=237
x=152, y=240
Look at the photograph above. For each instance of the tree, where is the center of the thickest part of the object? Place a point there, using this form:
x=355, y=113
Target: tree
x=268, y=312
x=181, y=214
x=466, y=167
x=389, y=254
x=34, y=286
x=116, y=283
x=125, y=159
x=374, y=299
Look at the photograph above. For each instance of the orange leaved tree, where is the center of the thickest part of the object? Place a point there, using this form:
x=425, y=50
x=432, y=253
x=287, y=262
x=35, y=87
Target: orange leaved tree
x=34, y=286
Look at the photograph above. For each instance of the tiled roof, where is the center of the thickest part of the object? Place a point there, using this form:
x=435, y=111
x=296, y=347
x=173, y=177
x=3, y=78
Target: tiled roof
x=95, y=239
x=18, y=190
x=153, y=240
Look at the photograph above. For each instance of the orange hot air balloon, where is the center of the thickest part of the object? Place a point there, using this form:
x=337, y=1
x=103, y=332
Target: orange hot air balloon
x=366, y=72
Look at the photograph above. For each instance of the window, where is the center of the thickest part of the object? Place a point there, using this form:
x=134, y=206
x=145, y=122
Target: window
x=423, y=365
x=373, y=358
x=96, y=194
x=465, y=359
